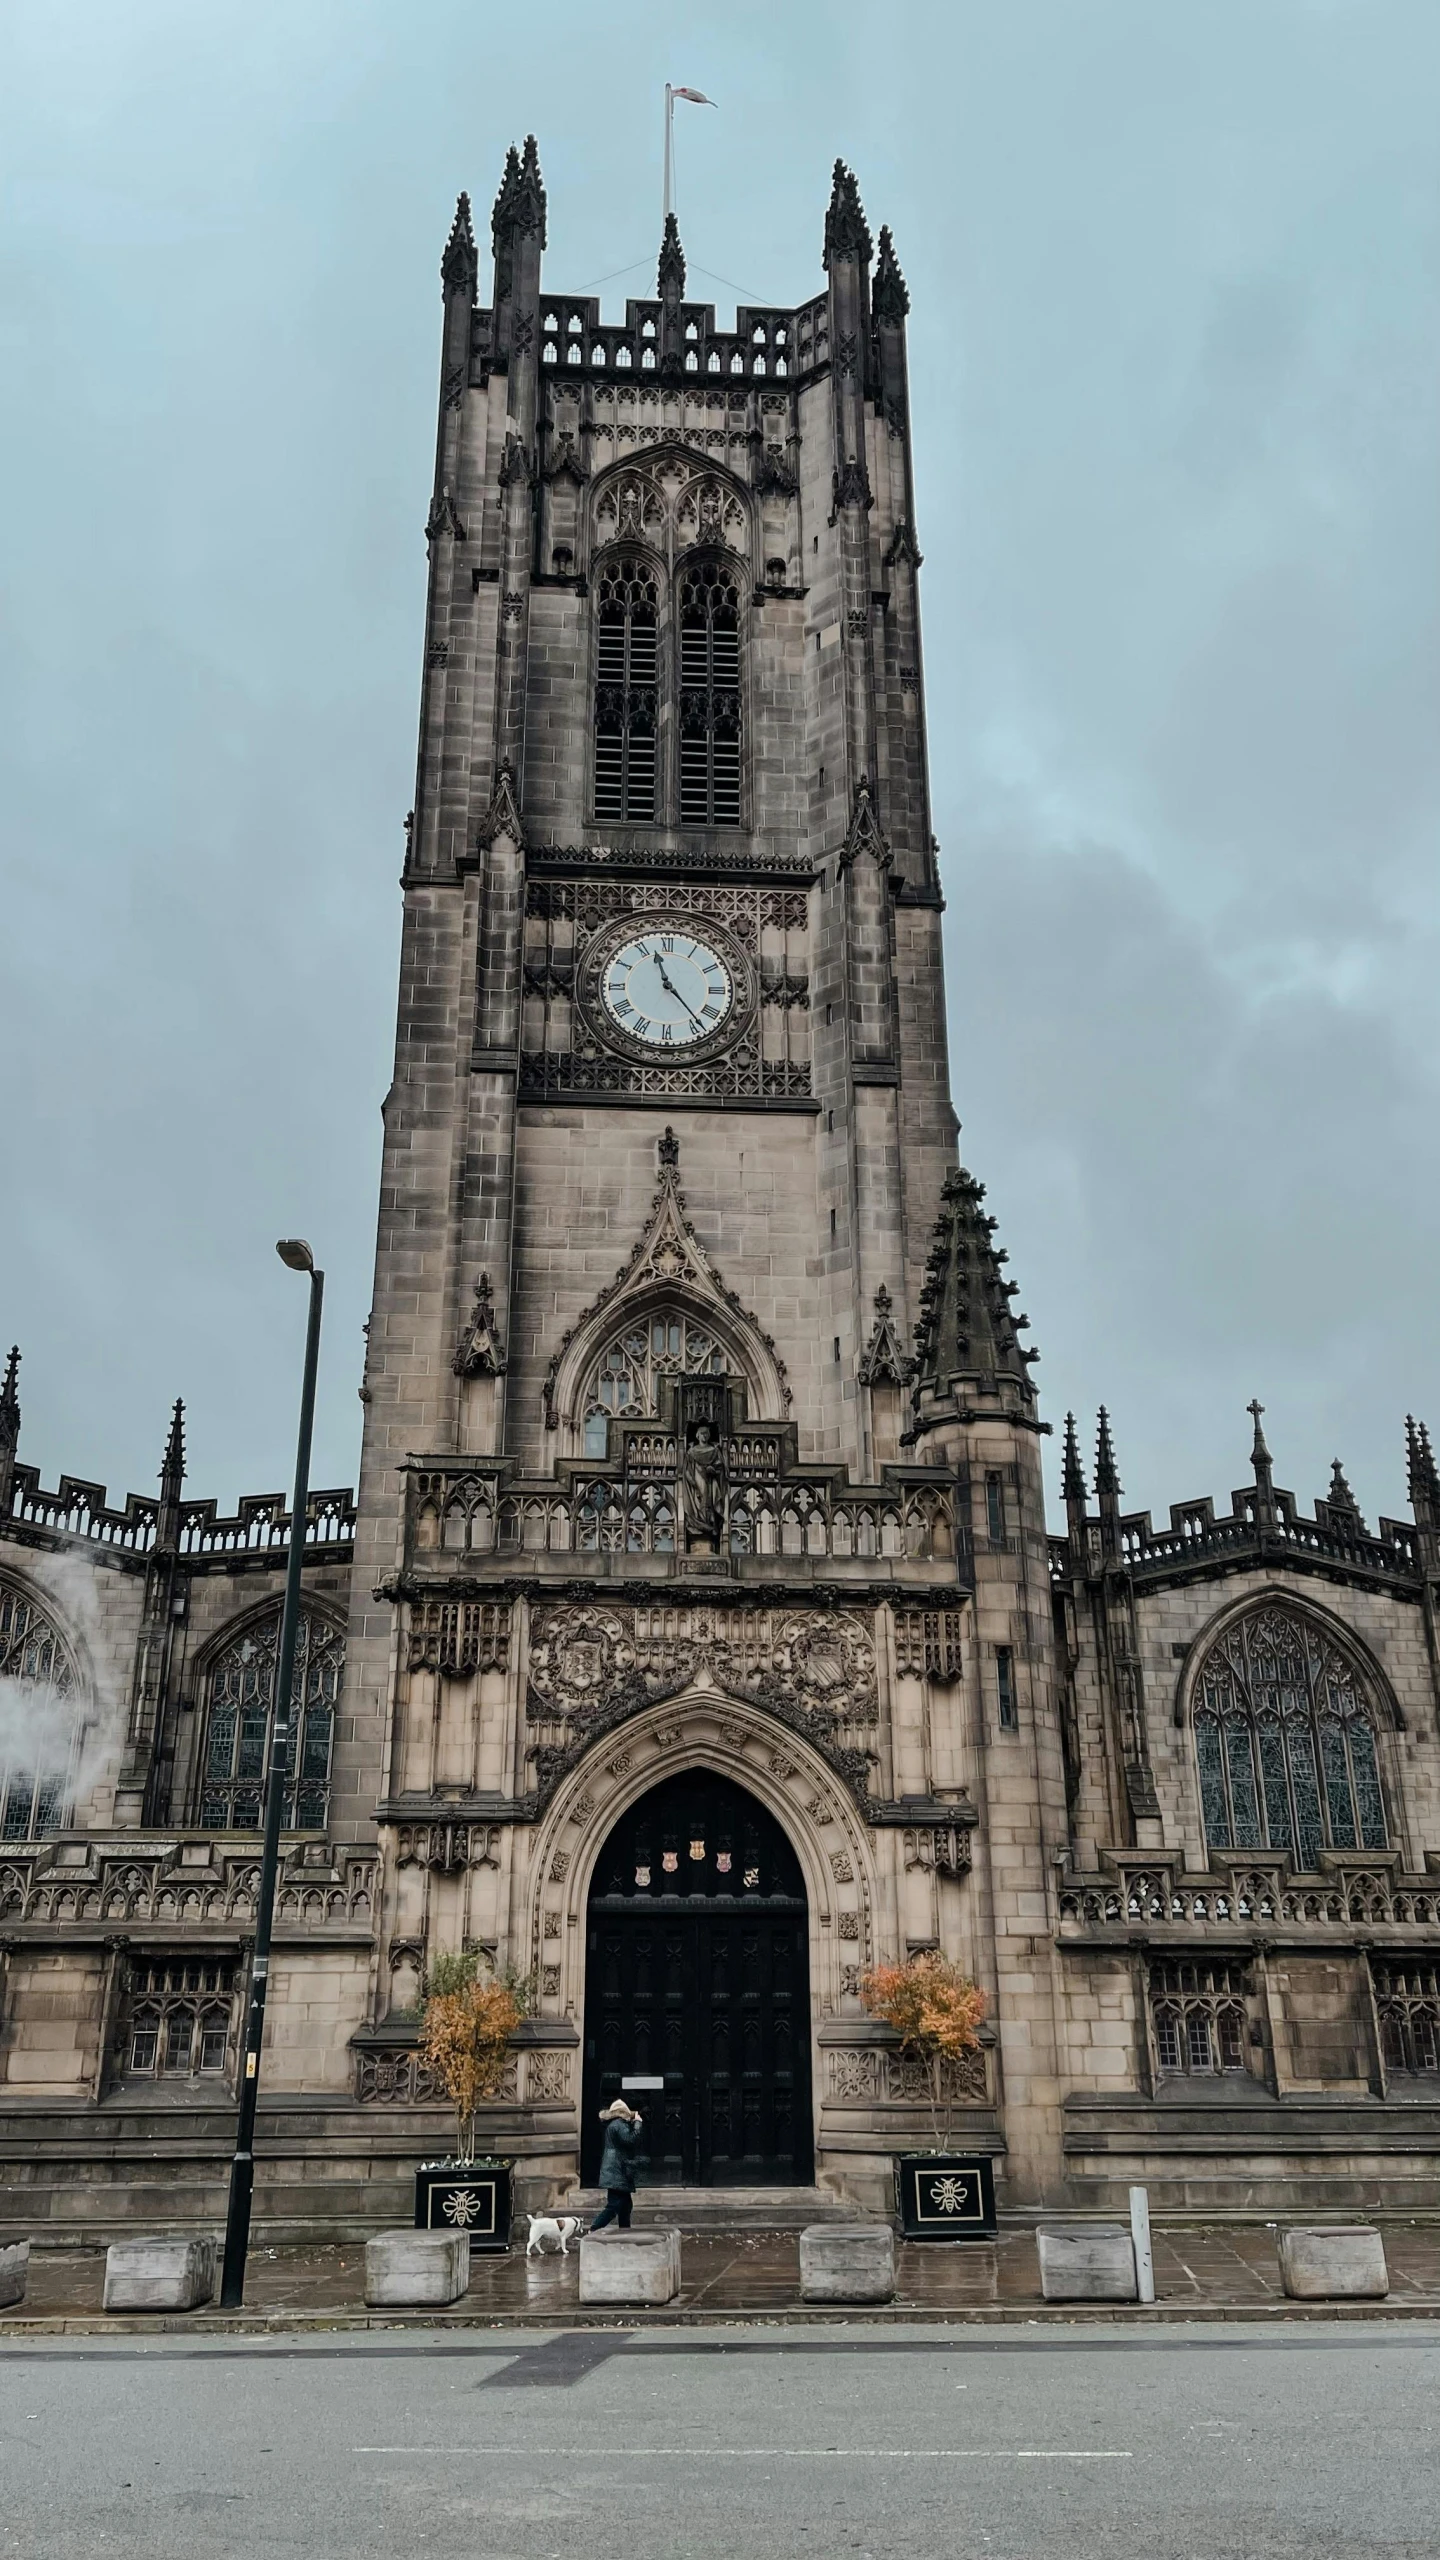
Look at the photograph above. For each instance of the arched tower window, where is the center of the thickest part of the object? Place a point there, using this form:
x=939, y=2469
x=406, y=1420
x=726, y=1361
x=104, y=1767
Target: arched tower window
x=1285, y=1739
x=709, y=696
x=39, y=1724
x=237, y=1740
x=626, y=675
x=667, y=1341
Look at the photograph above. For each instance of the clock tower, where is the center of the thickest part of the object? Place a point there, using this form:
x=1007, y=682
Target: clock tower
x=699, y=1658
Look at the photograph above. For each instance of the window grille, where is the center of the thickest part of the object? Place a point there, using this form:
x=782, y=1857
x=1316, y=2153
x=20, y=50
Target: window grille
x=624, y=1383
x=242, y=1701
x=1200, y=2018
x=180, y=2019
x=1285, y=1741
x=709, y=697
x=1407, y=2000
x=39, y=1750
x=626, y=675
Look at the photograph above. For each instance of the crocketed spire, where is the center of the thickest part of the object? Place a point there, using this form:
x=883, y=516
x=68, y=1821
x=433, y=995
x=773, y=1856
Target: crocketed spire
x=460, y=265
x=1107, y=1476
x=966, y=1327
x=671, y=276
x=172, y=1479
x=1072, y=1480
x=847, y=234
x=10, y=1404
x=889, y=298
x=1422, y=1480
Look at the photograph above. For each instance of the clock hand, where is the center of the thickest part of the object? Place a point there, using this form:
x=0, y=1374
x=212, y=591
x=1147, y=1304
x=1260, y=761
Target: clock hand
x=672, y=990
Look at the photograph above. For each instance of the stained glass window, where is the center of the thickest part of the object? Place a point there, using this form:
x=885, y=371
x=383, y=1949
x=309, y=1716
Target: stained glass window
x=1285, y=1741
x=1407, y=2002
x=39, y=1723
x=237, y=1745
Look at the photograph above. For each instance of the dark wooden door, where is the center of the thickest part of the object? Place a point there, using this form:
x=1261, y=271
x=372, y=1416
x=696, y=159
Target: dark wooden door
x=697, y=1977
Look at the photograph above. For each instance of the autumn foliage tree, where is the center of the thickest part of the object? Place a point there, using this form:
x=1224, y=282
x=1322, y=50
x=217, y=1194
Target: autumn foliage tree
x=936, y=2011
x=468, y=2020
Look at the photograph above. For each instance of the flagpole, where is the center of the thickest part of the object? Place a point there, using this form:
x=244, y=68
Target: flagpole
x=669, y=147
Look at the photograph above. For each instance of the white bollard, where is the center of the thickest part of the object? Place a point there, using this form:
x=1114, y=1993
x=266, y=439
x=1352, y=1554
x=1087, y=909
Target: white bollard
x=847, y=2262
x=1140, y=2235
x=416, y=2268
x=1093, y=2262
x=630, y=2266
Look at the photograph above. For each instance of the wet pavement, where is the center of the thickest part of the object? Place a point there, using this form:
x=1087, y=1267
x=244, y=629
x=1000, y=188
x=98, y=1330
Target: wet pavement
x=757, y=2273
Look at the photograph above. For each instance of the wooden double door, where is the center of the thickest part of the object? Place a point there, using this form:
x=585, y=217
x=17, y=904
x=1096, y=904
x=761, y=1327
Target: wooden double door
x=697, y=1982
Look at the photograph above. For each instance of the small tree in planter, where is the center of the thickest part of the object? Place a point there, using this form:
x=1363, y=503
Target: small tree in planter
x=466, y=2025
x=936, y=2011
x=467, y=2019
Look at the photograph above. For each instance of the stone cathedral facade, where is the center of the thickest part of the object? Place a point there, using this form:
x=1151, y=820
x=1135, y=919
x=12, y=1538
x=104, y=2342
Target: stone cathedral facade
x=696, y=1638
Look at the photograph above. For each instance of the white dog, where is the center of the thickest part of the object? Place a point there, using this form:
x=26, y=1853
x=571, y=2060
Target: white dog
x=548, y=2226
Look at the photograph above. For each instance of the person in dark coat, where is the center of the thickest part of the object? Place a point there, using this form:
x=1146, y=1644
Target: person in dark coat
x=619, y=2162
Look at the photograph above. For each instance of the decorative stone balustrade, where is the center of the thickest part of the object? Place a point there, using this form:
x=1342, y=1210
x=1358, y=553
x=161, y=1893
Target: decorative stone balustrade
x=193, y=1884
x=1250, y=1901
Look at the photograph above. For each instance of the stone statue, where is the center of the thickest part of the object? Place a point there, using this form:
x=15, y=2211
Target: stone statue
x=702, y=1484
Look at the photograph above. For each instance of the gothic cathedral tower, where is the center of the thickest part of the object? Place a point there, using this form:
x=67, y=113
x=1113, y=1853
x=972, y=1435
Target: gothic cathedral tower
x=700, y=1647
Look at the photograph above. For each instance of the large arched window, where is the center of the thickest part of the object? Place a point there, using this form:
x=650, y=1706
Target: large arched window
x=626, y=677
x=666, y=1341
x=237, y=1738
x=39, y=1725
x=1285, y=1738
x=709, y=696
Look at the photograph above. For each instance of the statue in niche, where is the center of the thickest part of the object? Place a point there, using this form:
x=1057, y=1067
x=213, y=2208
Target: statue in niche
x=702, y=1487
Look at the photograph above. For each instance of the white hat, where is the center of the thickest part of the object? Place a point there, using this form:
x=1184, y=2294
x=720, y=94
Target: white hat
x=617, y=2107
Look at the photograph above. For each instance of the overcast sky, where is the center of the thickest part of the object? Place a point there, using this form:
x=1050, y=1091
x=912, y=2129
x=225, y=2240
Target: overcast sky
x=1176, y=371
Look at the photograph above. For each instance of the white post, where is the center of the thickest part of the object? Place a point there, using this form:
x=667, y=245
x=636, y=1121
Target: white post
x=1140, y=2234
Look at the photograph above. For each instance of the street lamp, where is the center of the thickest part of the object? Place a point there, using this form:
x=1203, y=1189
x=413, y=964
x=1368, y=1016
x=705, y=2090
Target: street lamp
x=296, y=1256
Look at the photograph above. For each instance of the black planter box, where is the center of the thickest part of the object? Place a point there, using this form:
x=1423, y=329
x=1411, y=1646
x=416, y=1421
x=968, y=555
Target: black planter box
x=451, y=2197
x=942, y=2196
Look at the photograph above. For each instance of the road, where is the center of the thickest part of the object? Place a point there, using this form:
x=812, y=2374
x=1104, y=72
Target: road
x=1315, y=2443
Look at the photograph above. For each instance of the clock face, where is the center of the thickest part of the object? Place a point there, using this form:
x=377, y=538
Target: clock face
x=667, y=987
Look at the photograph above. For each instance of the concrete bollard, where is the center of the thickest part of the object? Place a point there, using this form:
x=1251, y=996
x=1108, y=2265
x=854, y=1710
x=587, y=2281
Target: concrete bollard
x=161, y=2272
x=1087, y=2263
x=416, y=2269
x=1322, y=2265
x=847, y=2262
x=14, y=2272
x=630, y=2266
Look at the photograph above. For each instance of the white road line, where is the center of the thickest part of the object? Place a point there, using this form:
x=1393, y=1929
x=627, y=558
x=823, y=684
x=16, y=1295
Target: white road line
x=779, y=2453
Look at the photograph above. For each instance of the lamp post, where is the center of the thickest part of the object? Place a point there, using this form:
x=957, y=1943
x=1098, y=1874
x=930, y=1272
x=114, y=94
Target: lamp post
x=297, y=1257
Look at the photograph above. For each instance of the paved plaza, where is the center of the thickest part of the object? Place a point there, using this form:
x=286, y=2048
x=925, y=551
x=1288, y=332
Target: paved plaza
x=732, y=2275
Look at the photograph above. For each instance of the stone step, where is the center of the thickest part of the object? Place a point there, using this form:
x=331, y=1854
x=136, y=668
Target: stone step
x=721, y=2209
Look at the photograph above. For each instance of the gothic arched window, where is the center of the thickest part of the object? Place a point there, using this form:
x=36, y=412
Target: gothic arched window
x=709, y=696
x=39, y=1725
x=237, y=1740
x=626, y=675
x=667, y=1342
x=1285, y=1739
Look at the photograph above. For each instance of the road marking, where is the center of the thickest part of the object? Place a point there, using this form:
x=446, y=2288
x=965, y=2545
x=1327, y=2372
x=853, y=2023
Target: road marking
x=785, y=2453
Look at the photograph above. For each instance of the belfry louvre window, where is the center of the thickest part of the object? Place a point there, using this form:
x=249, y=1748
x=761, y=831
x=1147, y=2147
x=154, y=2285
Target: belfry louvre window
x=1407, y=2002
x=1199, y=2016
x=242, y=1701
x=39, y=1747
x=1285, y=1741
x=709, y=697
x=180, y=2018
x=626, y=676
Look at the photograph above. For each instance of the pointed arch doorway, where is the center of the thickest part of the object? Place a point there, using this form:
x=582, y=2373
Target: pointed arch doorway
x=697, y=1977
